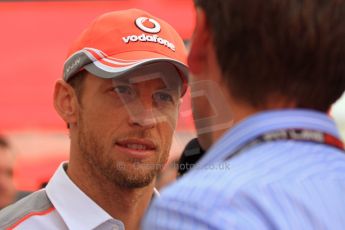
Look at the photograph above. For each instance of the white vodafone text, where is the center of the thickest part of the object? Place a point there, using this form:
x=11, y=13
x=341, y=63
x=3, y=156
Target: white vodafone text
x=149, y=38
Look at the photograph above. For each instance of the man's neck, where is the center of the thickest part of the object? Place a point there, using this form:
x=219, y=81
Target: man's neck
x=124, y=204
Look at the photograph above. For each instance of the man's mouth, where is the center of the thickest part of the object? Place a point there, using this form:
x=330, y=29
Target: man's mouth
x=137, y=144
x=138, y=148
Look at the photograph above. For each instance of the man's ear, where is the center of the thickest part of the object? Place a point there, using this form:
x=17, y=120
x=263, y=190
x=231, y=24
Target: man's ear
x=66, y=102
x=198, y=53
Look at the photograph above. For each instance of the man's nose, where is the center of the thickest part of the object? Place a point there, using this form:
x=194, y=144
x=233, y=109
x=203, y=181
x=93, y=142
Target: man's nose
x=142, y=113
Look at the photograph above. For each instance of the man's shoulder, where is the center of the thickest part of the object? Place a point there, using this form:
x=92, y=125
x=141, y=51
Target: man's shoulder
x=197, y=186
x=34, y=203
x=259, y=170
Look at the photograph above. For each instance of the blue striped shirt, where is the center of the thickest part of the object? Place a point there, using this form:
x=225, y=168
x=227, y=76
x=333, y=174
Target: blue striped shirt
x=282, y=184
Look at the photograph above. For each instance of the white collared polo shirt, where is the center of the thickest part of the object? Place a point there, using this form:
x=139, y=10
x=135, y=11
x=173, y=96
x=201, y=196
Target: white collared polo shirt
x=62, y=205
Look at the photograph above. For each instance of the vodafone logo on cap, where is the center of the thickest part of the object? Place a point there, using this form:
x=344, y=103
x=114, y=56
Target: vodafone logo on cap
x=150, y=26
x=143, y=23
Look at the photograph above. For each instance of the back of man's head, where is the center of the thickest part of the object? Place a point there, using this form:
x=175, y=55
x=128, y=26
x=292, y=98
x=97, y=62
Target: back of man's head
x=290, y=48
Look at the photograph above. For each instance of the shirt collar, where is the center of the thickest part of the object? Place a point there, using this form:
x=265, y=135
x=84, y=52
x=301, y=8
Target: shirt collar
x=263, y=122
x=75, y=207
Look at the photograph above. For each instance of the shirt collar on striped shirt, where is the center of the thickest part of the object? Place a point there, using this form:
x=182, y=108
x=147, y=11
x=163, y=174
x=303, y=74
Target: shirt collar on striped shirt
x=263, y=122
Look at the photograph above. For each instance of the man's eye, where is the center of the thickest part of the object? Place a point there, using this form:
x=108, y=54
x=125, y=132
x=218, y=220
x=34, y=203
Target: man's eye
x=163, y=97
x=123, y=89
x=125, y=92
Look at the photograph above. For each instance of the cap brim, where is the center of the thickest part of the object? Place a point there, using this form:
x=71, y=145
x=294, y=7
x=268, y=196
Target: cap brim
x=120, y=64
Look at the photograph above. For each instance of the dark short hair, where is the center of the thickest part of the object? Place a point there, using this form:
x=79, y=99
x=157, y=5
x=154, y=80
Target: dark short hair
x=77, y=82
x=291, y=48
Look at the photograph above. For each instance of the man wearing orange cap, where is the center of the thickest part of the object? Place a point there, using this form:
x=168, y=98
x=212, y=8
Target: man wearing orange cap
x=120, y=95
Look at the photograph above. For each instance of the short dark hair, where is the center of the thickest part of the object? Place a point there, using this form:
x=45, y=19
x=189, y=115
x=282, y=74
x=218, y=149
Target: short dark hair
x=292, y=48
x=77, y=82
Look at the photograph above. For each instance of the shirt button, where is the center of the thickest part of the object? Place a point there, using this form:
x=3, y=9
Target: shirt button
x=115, y=227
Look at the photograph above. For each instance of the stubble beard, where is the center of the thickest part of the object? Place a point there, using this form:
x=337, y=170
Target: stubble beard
x=130, y=175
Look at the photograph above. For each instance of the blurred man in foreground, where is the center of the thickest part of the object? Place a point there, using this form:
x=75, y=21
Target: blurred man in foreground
x=280, y=65
x=7, y=189
x=120, y=95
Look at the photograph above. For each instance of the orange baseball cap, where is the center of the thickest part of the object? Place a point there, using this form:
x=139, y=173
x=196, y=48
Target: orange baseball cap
x=122, y=41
